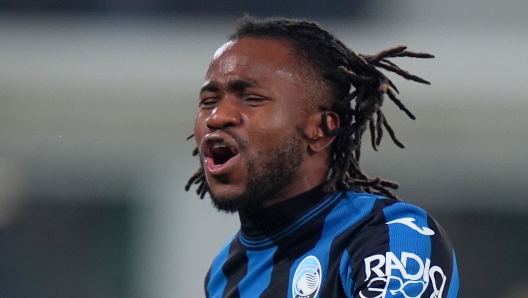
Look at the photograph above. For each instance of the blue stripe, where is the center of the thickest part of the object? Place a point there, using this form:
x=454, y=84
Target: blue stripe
x=455, y=283
x=346, y=273
x=404, y=239
x=217, y=278
x=345, y=214
x=292, y=228
x=351, y=209
x=260, y=265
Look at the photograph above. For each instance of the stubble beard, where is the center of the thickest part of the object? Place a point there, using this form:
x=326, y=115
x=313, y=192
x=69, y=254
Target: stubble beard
x=268, y=174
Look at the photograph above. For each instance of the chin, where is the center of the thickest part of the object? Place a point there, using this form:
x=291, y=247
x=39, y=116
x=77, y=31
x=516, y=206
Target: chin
x=226, y=204
x=225, y=192
x=231, y=201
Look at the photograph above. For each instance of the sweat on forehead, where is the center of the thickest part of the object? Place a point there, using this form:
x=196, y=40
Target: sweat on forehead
x=271, y=51
x=255, y=53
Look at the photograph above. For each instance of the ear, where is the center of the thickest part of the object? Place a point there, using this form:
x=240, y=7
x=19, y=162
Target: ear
x=317, y=139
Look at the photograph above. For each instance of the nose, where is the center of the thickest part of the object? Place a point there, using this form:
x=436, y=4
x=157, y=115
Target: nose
x=225, y=114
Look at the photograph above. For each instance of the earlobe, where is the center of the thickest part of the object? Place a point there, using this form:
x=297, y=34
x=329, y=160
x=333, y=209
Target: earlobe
x=318, y=139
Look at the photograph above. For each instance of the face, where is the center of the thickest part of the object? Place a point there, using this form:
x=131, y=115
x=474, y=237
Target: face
x=249, y=126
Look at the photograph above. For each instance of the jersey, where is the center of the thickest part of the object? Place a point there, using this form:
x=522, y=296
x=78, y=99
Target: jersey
x=347, y=244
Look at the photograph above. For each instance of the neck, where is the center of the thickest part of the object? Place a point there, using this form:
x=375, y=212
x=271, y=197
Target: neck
x=311, y=174
x=269, y=220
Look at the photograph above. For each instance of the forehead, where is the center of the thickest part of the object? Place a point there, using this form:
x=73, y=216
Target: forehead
x=253, y=56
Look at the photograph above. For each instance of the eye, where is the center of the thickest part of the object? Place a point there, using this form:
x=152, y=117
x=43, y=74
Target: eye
x=208, y=102
x=254, y=100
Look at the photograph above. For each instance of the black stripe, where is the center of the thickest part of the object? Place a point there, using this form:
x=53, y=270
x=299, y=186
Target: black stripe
x=333, y=286
x=290, y=250
x=206, y=282
x=348, y=241
x=372, y=238
x=235, y=268
x=441, y=255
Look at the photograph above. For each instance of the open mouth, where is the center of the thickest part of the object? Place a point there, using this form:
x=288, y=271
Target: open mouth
x=219, y=151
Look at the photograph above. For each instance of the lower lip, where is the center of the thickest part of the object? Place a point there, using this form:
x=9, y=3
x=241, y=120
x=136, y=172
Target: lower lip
x=221, y=169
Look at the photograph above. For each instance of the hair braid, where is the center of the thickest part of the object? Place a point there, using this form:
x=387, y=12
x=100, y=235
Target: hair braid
x=357, y=89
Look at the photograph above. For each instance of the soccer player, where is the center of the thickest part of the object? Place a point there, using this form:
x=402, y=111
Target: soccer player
x=278, y=130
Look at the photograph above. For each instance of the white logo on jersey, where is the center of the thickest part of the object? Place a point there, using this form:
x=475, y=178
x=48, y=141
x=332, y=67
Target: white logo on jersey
x=407, y=276
x=409, y=221
x=307, y=278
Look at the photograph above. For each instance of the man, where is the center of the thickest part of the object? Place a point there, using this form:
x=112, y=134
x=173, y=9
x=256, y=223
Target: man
x=279, y=127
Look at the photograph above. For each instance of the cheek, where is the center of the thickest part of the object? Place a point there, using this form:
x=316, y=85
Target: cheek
x=199, y=127
x=269, y=133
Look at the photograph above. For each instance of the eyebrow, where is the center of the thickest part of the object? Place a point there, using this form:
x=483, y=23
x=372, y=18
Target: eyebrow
x=209, y=86
x=234, y=85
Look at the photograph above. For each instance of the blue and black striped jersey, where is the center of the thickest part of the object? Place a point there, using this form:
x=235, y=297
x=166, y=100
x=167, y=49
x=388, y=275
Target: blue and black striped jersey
x=347, y=244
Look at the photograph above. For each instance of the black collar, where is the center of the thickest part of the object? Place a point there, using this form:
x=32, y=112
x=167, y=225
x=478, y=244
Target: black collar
x=266, y=222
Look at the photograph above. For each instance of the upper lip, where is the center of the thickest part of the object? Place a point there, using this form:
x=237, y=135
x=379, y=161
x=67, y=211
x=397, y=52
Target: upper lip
x=218, y=137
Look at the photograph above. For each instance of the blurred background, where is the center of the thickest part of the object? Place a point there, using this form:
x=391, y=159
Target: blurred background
x=97, y=98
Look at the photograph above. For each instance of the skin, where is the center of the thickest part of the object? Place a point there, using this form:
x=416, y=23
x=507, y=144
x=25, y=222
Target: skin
x=255, y=96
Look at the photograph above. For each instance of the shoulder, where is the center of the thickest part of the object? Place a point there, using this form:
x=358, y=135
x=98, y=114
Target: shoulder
x=216, y=279
x=357, y=207
x=368, y=220
x=391, y=224
x=397, y=246
x=224, y=252
x=388, y=213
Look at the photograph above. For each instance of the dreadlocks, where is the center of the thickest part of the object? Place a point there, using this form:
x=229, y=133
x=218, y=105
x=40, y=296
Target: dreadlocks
x=357, y=89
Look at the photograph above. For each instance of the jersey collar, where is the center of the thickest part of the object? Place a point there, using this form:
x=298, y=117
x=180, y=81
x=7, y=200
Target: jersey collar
x=266, y=225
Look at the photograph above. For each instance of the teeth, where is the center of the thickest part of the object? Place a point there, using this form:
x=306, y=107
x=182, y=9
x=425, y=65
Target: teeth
x=221, y=144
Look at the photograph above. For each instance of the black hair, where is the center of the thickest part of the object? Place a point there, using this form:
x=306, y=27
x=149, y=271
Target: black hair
x=357, y=89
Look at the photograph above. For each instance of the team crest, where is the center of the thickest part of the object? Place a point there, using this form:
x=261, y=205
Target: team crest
x=307, y=278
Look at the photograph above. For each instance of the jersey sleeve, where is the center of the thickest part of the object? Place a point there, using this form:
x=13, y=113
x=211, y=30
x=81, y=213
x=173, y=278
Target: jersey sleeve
x=400, y=252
